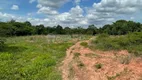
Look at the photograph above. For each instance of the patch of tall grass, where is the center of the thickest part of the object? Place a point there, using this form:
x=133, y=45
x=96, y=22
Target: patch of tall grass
x=131, y=42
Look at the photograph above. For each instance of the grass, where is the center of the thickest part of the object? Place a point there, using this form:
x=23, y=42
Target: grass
x=85, y=44
x=76, y=55
x=34, y=57
x=113, y=77
x=80, y=64
x=123, y=73
x=125, y=59
x=98, y=66
x=131, y=42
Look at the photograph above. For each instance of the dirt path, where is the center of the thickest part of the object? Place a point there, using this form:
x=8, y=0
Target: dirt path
x=81, y=63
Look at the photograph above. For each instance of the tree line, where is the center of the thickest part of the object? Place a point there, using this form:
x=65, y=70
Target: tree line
x=120, y=27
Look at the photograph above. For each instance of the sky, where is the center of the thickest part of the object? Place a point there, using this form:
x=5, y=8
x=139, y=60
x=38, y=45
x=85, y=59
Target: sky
x=71, y=13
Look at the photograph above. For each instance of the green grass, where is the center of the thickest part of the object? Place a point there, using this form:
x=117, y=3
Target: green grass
x=131, y=42
x=33, y=57
x=98, y=66
x=85, y=44
x=76, y=55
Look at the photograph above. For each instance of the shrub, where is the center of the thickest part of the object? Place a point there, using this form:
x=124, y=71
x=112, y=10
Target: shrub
x=125, y=59
x=131, y=42
x=85, y=44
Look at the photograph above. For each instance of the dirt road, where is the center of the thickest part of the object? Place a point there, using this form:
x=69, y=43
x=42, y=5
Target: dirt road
x=81, y=63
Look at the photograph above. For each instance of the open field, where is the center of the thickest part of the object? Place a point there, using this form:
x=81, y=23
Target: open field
x=35, y=57
x=72, y=57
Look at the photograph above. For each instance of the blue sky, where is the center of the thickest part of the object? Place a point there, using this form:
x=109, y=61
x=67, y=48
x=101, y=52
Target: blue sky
x=70, y=13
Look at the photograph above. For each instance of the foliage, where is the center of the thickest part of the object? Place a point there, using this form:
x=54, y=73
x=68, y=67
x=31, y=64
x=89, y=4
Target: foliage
x=76, y=55
x=98, y=65
x=85, y=44
x=13, y=28
x=33, y=57
x=122, y=27
x=131, y=42
x=125, y=59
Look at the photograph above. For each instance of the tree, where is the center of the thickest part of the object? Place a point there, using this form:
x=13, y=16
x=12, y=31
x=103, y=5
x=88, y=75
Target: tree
x=59, y=29
x=92, y=30
x=67, y=30
x=40, y=29
x=27, y=23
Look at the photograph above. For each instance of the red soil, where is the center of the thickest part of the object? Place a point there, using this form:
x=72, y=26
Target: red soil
x=112, y=67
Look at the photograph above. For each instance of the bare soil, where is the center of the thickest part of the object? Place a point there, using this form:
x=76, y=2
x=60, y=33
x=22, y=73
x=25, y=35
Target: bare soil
x=81, y=63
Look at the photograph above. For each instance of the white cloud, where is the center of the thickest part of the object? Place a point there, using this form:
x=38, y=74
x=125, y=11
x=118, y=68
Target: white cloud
x=118, y=6
x=47, y=10
x=52, y=3
x=77, y=2
x=15, y=7
x=50, y=7
x=104, y=12
x=6, y=17
x=31, y=1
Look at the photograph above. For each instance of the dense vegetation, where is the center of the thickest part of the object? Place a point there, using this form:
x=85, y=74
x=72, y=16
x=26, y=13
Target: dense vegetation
x=13, y=28
x=122, y=27
x=119, y=27
x=34, y=57
x=131, y=42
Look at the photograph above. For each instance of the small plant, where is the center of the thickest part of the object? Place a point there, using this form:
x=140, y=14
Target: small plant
x=85, y=44
x=125, y=71
x=76, y=55
x=125, y=59
x=80, y=64
x=113, y=77
x=98, y=65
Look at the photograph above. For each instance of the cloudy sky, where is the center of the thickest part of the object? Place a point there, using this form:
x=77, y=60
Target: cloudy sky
x=71, y=13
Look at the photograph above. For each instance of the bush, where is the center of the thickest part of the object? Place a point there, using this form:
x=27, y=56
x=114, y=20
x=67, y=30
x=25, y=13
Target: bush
x=131, y=42
x=85, y=44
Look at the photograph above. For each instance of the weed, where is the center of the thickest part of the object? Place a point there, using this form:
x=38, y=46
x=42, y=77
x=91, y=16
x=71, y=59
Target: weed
x=85, y=44
x=98, y=65
x=80, y=64
x=125, y=59
x=113, y=77
x=76, y=55
x=131, y=42
x=125, y=71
